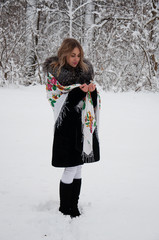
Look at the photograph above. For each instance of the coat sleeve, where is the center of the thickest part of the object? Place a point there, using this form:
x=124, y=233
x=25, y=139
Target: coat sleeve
x=94, y=97
x=75, y=96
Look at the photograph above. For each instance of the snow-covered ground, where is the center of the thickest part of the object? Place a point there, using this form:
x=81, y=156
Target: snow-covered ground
x=120, y=194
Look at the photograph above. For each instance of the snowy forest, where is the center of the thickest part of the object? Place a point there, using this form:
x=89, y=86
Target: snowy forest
x=120, y=37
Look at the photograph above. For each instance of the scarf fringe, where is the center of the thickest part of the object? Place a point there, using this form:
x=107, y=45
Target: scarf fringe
x=62, y=115
x=88, y=158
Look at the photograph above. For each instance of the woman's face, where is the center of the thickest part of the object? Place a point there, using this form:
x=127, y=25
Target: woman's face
x=74, y=57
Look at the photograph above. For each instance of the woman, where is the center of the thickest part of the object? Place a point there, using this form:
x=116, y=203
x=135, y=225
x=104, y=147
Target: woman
x=75, y=101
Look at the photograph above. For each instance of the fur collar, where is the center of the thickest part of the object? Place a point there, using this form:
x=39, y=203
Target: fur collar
x=69, y=75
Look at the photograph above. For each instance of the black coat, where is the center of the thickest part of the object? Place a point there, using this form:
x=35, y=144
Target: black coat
x=67, y=142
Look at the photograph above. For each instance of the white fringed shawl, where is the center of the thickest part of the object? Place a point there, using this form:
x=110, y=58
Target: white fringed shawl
x=57, y=95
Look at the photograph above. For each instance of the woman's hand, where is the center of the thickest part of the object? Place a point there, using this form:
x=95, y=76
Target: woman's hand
x=84, y=87
x=91, y=87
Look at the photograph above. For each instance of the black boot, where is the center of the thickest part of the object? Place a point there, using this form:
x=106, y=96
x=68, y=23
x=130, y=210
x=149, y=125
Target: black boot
x=76, y=188
x=65, y=198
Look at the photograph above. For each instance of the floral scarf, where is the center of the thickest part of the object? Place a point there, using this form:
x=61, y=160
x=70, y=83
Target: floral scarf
x=57, y=96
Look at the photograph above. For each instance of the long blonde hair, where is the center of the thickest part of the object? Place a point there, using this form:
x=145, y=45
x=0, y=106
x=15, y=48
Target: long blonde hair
x=65, y=49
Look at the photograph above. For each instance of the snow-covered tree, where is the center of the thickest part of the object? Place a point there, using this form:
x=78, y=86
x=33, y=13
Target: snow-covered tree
x=31, y=37
x=89, y=30
x=121, y=38
x=12, y=32
x=123, y=46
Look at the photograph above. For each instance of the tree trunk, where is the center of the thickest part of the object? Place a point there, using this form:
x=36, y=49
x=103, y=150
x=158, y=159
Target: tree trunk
x=31, y=37
x=89, y=32
x=154, y=23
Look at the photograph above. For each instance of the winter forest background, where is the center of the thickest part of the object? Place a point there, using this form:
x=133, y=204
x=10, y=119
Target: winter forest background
x=120, y=37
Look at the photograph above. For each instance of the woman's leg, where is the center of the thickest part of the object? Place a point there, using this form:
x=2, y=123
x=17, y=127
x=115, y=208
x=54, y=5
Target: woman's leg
x=70, y=185
x=69, y=174
x=78, y=174
x=76, y=188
